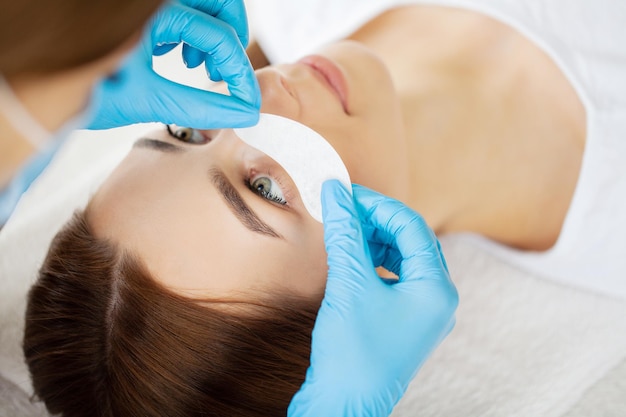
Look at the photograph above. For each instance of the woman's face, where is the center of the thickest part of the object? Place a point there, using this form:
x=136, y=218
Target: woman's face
x=218, y=218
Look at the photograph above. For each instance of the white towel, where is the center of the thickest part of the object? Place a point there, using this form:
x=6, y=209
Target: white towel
x=522, y=346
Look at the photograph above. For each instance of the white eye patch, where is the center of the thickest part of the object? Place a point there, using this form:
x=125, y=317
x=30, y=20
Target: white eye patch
x=302, y=152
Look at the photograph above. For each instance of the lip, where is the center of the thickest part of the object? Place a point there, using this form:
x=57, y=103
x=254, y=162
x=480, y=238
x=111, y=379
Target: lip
x=332, y=74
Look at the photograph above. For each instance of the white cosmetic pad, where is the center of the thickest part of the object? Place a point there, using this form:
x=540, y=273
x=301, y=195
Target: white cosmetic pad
x=302, y=152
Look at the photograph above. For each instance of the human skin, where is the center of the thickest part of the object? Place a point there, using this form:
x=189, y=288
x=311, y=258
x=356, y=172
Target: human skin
x=496, y=153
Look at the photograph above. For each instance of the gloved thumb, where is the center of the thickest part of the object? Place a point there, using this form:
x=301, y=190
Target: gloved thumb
x=349, y=260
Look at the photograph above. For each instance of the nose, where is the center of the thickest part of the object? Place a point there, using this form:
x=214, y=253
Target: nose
x=279, y=95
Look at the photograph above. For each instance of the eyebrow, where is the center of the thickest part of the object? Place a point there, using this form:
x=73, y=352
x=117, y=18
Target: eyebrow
x=157, y=145
x=235, y=202
x=238, y=206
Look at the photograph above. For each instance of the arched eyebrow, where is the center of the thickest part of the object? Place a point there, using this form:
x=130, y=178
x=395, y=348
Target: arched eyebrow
x=229, y=193
x=238, y=206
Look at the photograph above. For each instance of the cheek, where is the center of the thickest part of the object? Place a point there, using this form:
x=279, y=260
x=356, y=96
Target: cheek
x=309, y=264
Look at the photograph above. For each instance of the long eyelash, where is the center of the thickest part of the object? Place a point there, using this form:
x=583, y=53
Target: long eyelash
x=279, y=180
x=169, y=130
x=276, y=176
x=273, y=198
x=265, y=194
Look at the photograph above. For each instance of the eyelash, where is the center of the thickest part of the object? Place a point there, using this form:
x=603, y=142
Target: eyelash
x=203, y=138
x=284, y=201
x=249, y=179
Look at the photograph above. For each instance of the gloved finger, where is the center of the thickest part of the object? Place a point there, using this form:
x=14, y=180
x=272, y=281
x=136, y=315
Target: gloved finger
x=389, y=218
x=382, y=253
x=212, y=70
x=159, y=49
x=388, y=256
x=187, y=106
x=382, y=244
x=232, y=12
x=443, y=258
x=385, y=252
x=192, y=57
x=400, y=227
x=348, y=255
x=211, y=35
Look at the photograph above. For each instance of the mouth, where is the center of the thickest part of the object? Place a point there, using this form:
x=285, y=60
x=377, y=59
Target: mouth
x=332, y=76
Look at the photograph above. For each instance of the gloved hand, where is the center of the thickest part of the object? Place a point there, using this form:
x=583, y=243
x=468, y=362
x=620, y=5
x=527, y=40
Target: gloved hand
x=214, y=32
x=371, y=337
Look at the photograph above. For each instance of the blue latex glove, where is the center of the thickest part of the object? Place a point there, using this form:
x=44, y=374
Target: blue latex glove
x=371, y=337
x=214, y=32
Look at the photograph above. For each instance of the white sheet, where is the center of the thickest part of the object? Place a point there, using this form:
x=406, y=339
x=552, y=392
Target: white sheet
x=522, y=346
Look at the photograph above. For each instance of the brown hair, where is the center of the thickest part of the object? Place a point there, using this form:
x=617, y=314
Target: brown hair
x=48, y=36
x=104, y=339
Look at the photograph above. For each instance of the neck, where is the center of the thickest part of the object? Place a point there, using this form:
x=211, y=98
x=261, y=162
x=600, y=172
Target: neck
x=468, y=87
